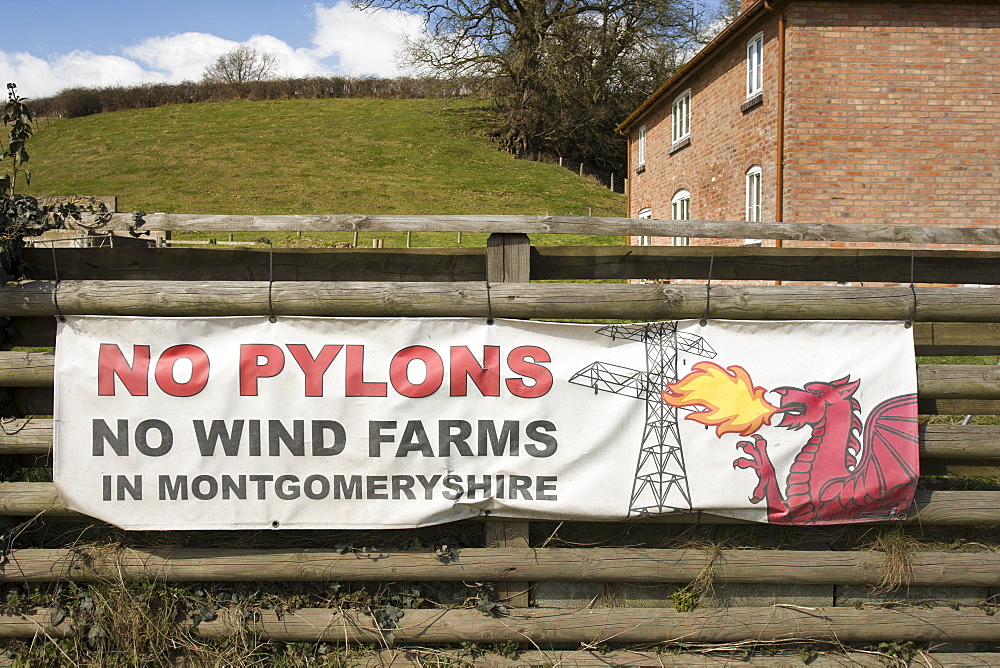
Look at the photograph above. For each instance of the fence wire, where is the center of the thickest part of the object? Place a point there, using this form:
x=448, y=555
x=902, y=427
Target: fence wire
x=612, y=181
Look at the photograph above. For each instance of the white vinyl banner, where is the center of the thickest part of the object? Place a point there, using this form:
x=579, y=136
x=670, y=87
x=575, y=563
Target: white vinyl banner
x=240, y=423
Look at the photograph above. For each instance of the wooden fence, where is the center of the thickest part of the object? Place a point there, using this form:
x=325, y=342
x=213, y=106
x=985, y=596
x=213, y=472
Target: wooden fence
x=810, y=594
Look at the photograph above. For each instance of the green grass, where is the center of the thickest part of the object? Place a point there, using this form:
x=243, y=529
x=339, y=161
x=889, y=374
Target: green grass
x=302, y=157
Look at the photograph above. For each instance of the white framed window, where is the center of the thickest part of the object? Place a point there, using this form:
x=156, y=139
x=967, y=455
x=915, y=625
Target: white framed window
x=680, y=209
x=645, y=213
x=681, y=114
x=755, y=65
x=680, y=205
x=753, y=197
x=640, y=144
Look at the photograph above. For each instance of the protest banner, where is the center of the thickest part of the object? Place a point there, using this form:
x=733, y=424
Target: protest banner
x=241, y=423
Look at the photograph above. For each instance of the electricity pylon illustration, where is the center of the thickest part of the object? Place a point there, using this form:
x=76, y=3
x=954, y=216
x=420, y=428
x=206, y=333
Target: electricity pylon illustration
x=661, y=484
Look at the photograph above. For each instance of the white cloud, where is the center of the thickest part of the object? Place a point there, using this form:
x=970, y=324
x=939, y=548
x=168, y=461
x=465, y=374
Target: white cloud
x=345, y=41
x=363, y=42
x=180, y=57
x=291, y=62
x=37, y=77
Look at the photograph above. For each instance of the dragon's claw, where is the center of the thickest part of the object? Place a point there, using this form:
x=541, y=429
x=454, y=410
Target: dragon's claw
x=756, y=459
x=755, y=453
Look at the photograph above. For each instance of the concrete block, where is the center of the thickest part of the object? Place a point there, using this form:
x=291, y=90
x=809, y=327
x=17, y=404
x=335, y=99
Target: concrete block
x=568, y=594
x=735, y=595
x=627, y=595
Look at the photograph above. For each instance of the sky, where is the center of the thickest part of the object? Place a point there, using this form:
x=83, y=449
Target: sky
x=66, y=43
x=92, y=43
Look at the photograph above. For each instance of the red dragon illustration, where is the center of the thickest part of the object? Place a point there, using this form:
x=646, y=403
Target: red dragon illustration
x=845, y=472
x=837, y=476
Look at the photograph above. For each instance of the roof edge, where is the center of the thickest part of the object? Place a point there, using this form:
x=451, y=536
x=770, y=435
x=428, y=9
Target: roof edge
x=696, y=61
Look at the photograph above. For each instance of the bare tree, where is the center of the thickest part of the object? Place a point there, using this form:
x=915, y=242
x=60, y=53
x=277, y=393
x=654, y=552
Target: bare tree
x=591, y=84
x=728, y=9
x=725, y=13
x=241, y=65
x=554, y=65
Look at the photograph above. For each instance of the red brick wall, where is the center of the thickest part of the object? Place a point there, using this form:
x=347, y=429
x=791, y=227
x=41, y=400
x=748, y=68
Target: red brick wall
x=892, y=115
x=725, y=141
x=893, y=112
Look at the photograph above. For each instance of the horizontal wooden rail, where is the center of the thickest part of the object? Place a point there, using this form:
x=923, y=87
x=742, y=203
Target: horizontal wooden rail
x=721, y=657
x=963, y=442
x=256, y=264
x=26, y=369
x=718, y=657
x=26, y=436
x=945, y=508
x=877, y=233
x=547, y=263
x=929, y=338
x=533, y=300
x=934, y=381
x=862, y=567
x=540, y=626
x=839, y=265
x=946, y=338
x=622, y=625
x=958, y=381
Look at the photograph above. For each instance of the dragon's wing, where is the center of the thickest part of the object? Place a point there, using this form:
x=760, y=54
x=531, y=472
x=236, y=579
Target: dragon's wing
x=885, y=479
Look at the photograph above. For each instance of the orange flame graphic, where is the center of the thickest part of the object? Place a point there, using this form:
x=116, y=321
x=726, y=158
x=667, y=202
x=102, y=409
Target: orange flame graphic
x=732, y=404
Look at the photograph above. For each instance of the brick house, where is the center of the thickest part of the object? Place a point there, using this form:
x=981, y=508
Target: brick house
x=862, y=111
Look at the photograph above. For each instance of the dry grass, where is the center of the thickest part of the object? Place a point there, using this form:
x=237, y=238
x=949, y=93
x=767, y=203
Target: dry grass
x=897, y=546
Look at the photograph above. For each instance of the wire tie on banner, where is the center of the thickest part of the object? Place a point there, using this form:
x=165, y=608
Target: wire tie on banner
x=55, y=291
x=708, y=291
x=270, y=281
x=913, y=291
x=489, y=305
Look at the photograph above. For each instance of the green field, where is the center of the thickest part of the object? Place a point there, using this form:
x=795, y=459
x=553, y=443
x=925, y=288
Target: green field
x=301, y=157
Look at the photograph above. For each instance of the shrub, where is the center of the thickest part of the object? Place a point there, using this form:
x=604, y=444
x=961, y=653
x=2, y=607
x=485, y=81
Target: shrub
x=75, y=102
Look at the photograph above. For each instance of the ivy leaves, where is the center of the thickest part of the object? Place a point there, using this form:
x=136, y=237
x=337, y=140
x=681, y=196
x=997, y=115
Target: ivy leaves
x=17, y=115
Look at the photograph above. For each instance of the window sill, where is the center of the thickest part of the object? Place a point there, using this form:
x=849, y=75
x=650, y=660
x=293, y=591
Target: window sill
x=752, y=102
x=640, y=169
x=679, y=144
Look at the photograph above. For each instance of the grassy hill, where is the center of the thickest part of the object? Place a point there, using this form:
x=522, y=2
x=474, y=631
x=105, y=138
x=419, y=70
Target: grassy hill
x=303, y=156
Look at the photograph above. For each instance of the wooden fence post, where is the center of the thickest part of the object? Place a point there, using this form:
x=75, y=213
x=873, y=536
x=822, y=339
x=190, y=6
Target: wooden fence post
x=508, y=261
x=507, y=258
